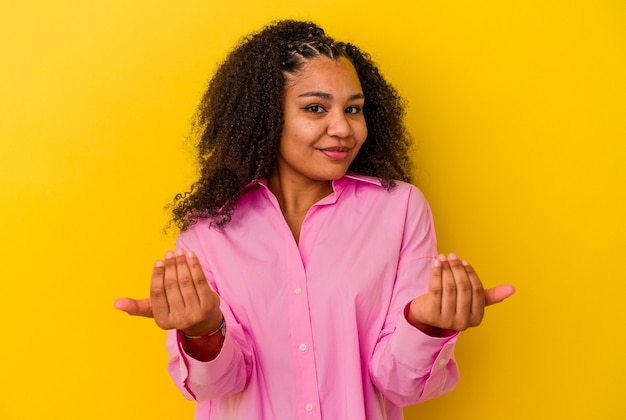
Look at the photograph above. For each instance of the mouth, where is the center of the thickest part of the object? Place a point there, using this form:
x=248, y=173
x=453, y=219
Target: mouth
x=335, y=153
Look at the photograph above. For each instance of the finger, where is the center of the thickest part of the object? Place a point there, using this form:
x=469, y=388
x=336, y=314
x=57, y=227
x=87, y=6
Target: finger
x=478, y=294
x=140, y=307
x=197, y=274
x=158, y=296
x=464, y=296
x=185, y=281
x=432, y=306
x=449, y=296
x=498, y=294
x=171, y=286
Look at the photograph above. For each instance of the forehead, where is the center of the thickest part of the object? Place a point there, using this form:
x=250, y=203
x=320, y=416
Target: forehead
x=324, y=73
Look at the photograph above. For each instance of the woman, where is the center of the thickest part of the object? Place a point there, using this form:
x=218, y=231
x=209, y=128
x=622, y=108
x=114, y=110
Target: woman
x=306, y=281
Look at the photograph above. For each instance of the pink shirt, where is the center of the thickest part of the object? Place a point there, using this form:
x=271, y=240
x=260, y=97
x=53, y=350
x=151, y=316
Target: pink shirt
x=316, y=330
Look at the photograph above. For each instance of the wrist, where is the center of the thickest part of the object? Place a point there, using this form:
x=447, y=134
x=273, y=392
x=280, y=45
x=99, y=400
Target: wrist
x=427, y=329
x=215, y=326
x=203, y=344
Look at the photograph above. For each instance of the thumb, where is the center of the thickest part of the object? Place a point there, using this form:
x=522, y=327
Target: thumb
x=498, y=294
x=142, y=307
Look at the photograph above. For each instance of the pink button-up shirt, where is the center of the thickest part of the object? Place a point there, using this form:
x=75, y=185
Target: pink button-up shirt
x=316, y=330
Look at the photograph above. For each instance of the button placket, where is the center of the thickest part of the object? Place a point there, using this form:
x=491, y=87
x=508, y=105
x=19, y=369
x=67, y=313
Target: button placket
x=302, y=338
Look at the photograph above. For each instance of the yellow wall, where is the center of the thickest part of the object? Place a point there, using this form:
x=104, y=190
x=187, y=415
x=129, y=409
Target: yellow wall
x=519, y=111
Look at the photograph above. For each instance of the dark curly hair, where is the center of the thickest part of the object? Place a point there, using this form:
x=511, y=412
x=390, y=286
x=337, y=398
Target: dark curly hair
x=239, y=120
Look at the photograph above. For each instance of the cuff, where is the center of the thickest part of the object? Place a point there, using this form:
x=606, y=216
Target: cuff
x=198, y=372
x=417, y=350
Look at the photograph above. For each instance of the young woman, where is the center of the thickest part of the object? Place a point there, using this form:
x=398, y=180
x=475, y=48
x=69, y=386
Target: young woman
x=306, y=282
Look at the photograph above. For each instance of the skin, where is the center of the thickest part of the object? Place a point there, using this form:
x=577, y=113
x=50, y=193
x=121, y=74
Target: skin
x=456, y=299
x=323, y=131
x=181, y=299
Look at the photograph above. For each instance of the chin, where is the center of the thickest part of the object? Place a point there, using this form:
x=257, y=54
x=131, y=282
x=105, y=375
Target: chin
x=334, y=176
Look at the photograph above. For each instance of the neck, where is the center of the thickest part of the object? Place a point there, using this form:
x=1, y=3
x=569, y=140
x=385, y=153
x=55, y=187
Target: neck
x=296, y=198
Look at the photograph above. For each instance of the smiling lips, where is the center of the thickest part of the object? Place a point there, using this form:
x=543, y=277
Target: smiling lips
x=335, y=153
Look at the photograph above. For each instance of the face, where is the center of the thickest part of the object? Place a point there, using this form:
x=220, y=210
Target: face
x=324, y=126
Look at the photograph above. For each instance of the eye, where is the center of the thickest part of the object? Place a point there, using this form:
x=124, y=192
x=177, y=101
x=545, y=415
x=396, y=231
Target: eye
x=315, y=109
x=354, y=109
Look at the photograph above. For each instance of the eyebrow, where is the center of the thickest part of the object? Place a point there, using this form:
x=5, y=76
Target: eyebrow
x=328, y=96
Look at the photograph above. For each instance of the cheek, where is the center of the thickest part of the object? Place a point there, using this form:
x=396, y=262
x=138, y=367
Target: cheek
x=360, y=132
x=293, y=139
x=289, y=133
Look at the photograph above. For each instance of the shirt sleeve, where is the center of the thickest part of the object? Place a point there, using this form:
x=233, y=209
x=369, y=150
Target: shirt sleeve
x=409, y=366
x=229, y=372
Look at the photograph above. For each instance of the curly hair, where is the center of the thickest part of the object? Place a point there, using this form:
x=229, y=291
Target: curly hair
x=239, y=121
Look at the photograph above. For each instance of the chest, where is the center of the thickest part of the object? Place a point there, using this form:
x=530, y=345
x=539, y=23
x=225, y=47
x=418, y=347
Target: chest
x=344, y=257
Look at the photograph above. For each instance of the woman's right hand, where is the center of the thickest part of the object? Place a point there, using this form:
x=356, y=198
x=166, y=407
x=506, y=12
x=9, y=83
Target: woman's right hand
x=180, y=297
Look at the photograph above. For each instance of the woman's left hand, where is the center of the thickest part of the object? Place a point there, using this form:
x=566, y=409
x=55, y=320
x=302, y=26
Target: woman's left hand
x=456, y=299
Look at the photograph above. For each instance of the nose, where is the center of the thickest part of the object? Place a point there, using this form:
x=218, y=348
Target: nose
x=339, y=125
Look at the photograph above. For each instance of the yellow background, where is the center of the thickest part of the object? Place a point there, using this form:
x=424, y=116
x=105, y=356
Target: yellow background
x=518, y=109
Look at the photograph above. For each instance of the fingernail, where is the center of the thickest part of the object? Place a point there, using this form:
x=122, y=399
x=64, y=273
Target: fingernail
x=180, y=252
x=169, y=254
x=465, y=263
x=190, y=254
x=442, y=257
x=436, y=263
x=158, y=264
x=453, y=256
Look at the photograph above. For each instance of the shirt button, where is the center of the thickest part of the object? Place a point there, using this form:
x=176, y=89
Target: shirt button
x=302, y=347
x=442, y=362
x=298, y=290
x=308, y=407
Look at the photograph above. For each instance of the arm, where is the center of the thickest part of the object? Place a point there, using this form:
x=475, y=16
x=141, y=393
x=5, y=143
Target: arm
x=434, y=298
x=182, y=301
x=409, y=365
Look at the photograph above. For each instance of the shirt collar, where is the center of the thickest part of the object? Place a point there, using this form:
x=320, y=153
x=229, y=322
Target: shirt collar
x=337, y=183
x=364, y=178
